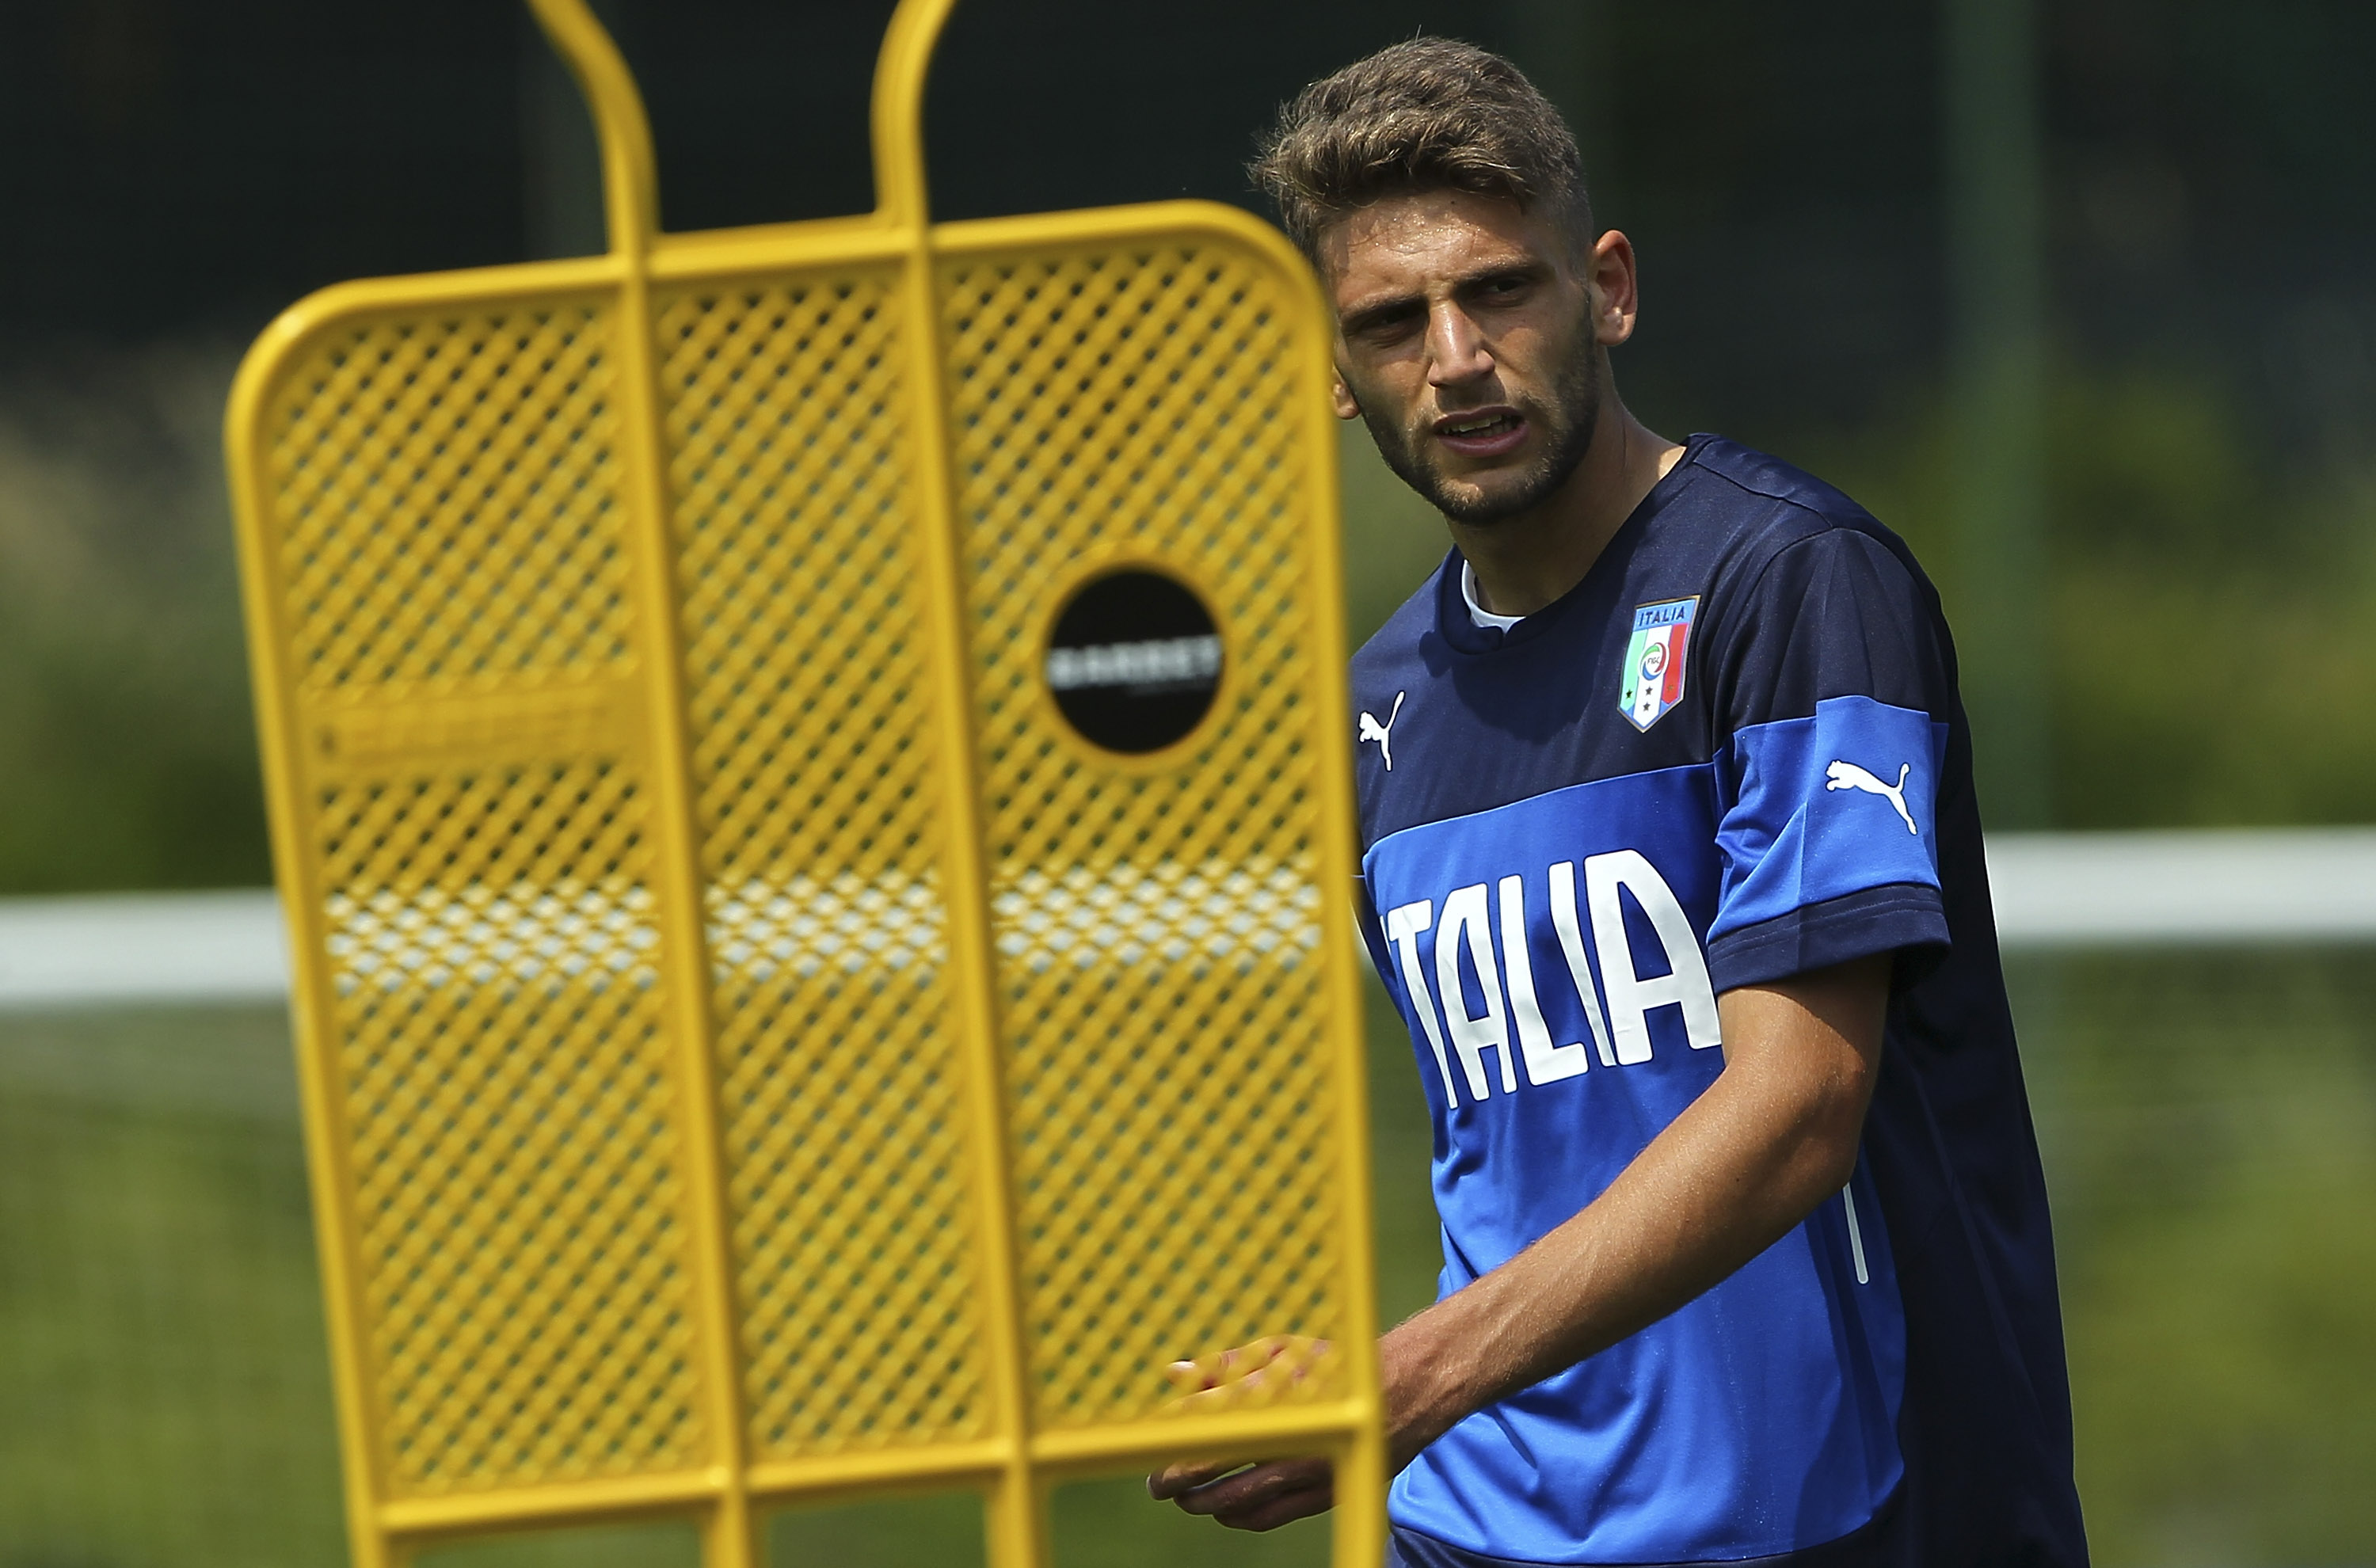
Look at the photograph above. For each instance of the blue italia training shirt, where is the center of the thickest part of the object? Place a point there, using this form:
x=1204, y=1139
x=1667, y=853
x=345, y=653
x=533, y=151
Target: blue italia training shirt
x=1734, y=753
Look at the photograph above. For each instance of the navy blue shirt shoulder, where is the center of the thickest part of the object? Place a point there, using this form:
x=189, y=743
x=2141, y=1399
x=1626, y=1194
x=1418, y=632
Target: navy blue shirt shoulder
x=1732, y=753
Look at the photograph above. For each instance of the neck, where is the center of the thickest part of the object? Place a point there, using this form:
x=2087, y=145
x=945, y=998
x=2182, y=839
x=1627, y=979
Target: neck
x=1524, y=561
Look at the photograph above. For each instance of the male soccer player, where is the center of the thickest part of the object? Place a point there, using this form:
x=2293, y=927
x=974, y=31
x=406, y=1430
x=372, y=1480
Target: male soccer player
x=1672, y=864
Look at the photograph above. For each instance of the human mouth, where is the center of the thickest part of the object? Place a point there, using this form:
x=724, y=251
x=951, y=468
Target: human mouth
x=1483, y=433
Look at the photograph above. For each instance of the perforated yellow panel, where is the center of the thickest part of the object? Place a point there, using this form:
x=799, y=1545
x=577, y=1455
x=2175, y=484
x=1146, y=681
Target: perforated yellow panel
x=822, y=821
x=1158, y=931
x=754, y=1048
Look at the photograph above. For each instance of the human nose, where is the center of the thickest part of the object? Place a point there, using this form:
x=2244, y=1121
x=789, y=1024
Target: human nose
x=1457, y=350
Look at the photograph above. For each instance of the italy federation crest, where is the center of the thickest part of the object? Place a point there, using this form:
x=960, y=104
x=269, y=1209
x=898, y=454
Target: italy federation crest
x=1653, y=661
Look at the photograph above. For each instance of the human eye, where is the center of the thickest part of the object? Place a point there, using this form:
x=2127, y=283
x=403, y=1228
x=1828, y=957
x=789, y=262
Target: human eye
x=1386, y=324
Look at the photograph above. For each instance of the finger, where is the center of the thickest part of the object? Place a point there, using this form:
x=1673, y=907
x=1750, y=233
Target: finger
x=1279, y=1355
x=1252, y=1357
x=1235, y=1361
x=1250, y=1489
x=1173, y=1479
x=1283, y=1509
x=1253, y=1390
x=1237, y=1380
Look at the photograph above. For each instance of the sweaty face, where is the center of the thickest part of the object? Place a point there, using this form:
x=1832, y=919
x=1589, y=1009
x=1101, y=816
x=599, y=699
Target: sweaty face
x=1466, y=341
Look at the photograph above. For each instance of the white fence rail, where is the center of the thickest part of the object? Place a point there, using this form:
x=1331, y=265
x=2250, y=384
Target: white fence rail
x=141, y=948
x=2193, y=888
x=2052, y=890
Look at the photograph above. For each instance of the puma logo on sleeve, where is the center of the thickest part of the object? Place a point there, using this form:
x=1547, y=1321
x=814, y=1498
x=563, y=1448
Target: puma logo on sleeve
x=1382, y=733
x=1848, y=776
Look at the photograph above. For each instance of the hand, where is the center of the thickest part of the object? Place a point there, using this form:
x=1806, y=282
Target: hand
x=1271, y=1492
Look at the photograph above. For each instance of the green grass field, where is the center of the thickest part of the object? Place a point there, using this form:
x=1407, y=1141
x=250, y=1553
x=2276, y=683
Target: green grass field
x=2210, y=1122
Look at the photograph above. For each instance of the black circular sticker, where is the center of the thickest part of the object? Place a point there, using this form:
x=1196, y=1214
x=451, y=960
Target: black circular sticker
x=1135, y=660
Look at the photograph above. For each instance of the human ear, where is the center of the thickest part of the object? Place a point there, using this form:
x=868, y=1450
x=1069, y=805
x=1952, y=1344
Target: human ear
x=1342, y=398
x=1616, y=290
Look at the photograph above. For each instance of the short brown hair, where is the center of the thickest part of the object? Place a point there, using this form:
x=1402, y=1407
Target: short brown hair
x=1431, y=114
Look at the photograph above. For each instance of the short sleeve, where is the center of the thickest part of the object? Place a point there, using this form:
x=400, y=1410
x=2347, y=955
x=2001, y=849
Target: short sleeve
x=1373, y=933
x=1833, y=684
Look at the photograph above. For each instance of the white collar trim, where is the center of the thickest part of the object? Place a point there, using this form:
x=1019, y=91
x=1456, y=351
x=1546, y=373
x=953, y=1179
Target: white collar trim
x=1477, y=612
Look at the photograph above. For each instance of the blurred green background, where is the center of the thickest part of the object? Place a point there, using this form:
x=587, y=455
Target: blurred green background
x=2080, y=296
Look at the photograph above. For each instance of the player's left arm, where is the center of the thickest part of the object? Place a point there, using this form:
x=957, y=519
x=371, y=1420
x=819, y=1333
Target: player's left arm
x=1775, y=1134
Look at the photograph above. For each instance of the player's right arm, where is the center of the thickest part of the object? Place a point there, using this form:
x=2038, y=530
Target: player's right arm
x=1772, y=1138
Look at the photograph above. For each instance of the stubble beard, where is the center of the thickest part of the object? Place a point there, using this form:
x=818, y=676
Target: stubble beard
x=1569, y=422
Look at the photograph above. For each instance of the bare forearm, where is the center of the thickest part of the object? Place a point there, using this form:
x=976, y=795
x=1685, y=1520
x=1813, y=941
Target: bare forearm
x=1774, y=1135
